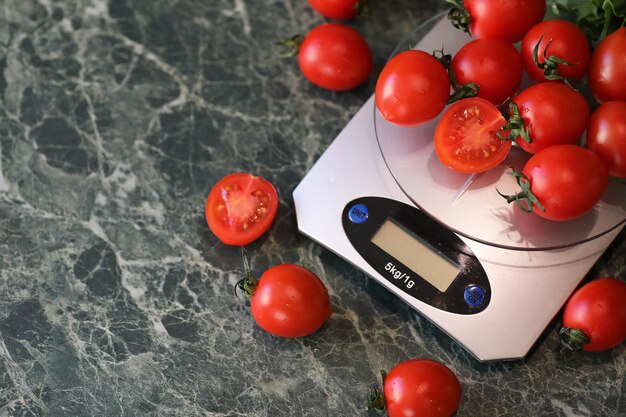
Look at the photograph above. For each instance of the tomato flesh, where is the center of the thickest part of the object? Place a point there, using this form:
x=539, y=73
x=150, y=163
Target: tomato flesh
x=466, y=136
x=240, y=208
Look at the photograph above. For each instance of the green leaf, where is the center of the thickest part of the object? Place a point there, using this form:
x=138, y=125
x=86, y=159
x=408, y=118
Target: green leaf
x=596, y=18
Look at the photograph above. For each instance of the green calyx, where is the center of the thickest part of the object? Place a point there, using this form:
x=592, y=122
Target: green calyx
x=291, y=46
x=377, y=399
x=459, y=16
x=550, y=63
x=524, y=199
x=572, y=339
x=461, y=91
x=247, y=285
x=515, y=126
x=362, y=10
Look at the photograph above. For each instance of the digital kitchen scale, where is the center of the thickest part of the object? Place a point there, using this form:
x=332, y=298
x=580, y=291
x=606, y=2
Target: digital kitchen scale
x=486, y=273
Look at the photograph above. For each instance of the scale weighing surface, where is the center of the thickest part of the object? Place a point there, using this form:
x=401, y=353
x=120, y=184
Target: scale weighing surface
x=489, y=275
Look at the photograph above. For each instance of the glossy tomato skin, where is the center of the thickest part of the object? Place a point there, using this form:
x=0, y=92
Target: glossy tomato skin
x=465, y=137
x=553, y=113
x=421, y=387
x=568, y=180
x=607, y=68
x=493, y=64
x=240, y=208
x=562, y=39
x=505, y=19
x=412, y=88
x=335, y=9
x=335, y=57
x=598, y=308
x=290, y=301
x=606, y=136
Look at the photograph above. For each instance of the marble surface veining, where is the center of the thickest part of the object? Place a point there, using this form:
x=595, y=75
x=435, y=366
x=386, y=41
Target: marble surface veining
x=116, y=117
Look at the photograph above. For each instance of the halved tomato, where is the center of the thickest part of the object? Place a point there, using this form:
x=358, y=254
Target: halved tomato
x=240, y=208
x=466, y=136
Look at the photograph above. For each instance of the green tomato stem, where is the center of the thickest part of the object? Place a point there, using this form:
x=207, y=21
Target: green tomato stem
x=572, y=339
x=550, y=63
x=524, y=199
x=247, y=285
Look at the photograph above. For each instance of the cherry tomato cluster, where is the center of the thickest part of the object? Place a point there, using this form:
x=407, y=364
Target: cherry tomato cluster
x=477, y=125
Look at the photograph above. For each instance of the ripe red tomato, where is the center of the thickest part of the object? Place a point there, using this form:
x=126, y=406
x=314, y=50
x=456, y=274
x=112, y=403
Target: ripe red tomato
x=552, y=114
x=335, y=57
x=412, y=88
x=466, y=136
x=560, y=39
x=240, y=208
x=290, y=301
x=493, y=64
x=566, y=180
x=598, y=311
x=421, y=387
x=336, y=9
x=607, y=68
x=606, y=136
x=504, y=19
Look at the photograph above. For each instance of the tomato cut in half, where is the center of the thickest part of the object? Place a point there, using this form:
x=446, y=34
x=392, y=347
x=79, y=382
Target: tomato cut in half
x=466, y=136
x=240, y=208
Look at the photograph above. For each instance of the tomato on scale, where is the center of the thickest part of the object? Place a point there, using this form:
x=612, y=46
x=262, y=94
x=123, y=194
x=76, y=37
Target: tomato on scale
x=418, y=387
x=606, y=136
x=503, y=19
x=546, y=114
x=560, y=182
x=555, y=50
x=607, y=68
x=493, y=64
x=412, y=88
x=332, y=56
x=240, y=208
x=466, y=137
x=287, y=301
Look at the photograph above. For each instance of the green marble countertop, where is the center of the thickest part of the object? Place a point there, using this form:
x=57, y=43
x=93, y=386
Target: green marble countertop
x=116, y=118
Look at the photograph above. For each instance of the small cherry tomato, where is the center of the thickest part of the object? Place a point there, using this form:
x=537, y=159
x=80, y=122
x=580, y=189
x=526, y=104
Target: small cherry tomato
x=412, y=88
x=466, y=136
x=336, y=9
x=493, y=64
x=606, y=136
x=288, y=300
x=240, y=208
x=335, y=57
x=421, y=387
x=551, y=114
x=505, y=19
x=558, y=39
x=594, y=317
x=607, y=68
x=560, y=182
